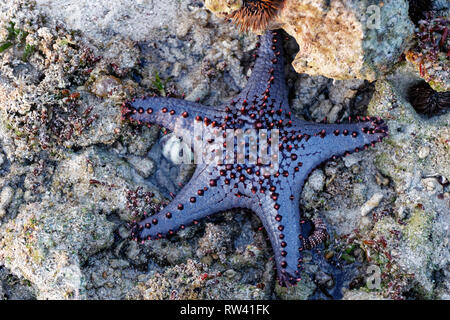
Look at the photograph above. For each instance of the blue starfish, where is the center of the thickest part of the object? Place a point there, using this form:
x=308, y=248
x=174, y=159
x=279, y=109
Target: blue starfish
x=274, y=197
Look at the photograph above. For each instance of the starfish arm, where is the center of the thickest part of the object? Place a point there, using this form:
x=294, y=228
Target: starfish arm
x=196, y=201
x=176, y=115
x=321, y=142
x=267, y=83
x=278, y=209
x=281, y=220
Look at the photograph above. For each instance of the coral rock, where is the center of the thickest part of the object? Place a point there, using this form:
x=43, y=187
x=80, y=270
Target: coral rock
x=345, y=39
x=431, y=56
x=223, y=6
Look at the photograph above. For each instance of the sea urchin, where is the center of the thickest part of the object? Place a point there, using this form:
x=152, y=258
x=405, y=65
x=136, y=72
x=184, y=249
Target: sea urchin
x=427, y=101
x=255, y=15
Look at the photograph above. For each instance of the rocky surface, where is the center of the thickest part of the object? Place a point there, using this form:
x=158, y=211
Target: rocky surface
x=430, y=55
x=342, y=39
x=349, y=38
x=72, y=175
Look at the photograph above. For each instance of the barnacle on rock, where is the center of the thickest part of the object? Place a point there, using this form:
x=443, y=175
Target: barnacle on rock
x=427, y=101
x=255, y=15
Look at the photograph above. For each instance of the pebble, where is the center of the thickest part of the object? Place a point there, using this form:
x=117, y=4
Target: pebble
x=423, y=152
x=352, y=159
x=402, y=213
x=6, y=196
x=230, y=274
x=182, y=30
x=381, y=181
x=317, y=180
x=143, y=166
x=432, y=185
x=105, y=86
x=371, y=204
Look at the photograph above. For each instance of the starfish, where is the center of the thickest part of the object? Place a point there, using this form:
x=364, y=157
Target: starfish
x=274, y=194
